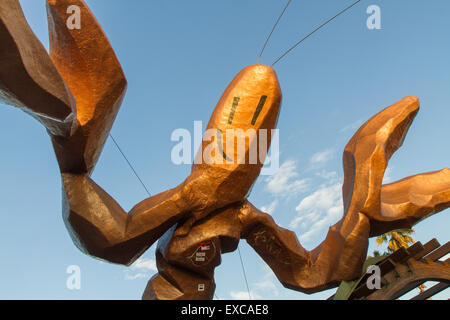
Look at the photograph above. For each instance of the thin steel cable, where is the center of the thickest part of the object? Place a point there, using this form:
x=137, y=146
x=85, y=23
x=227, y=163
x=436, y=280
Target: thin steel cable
x=129, y=163
x=273, y=29
x=143, y=185
x=245, y=275
x=315, y=30
x=140, y=180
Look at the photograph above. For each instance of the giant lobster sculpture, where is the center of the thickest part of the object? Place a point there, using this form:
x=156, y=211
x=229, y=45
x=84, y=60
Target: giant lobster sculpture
x=76, y=90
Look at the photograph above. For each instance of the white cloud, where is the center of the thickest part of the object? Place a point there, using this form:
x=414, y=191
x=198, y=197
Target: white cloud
x=353, y=126
x=270, y=208
x=243, y=295
x=267, y=286
x=332, y=216
x=322, y=157
x=136, y=276
x=388, y=176
x=285, y=182
x=144, y=264
x=267, y=283
x=142, y=268
x=320, y=209
x=328, y=175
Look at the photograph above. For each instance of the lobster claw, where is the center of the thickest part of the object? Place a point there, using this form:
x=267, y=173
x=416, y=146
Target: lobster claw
x=367, y=154
x=28, y=78
x=399, y=205
x=88, y=64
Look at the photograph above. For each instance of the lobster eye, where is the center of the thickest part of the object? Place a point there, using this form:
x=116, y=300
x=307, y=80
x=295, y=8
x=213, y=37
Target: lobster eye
x=260, y=106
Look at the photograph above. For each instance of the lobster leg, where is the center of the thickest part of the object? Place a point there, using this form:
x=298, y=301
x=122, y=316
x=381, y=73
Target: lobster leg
x=28, y=78
x=369, y=208
x=186, y=263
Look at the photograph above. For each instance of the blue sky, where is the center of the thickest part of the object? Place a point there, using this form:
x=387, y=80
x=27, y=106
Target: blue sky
x=178, y=57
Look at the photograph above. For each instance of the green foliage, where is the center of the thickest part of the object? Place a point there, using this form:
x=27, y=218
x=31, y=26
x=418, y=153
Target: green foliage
x=395, y=240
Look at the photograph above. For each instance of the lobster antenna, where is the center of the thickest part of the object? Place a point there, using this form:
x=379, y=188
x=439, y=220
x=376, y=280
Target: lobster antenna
x=273, y=29
x=314, y=31
x=129, y=164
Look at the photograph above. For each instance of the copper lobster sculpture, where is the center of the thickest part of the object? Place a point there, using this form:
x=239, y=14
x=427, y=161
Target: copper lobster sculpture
x=76, y=90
